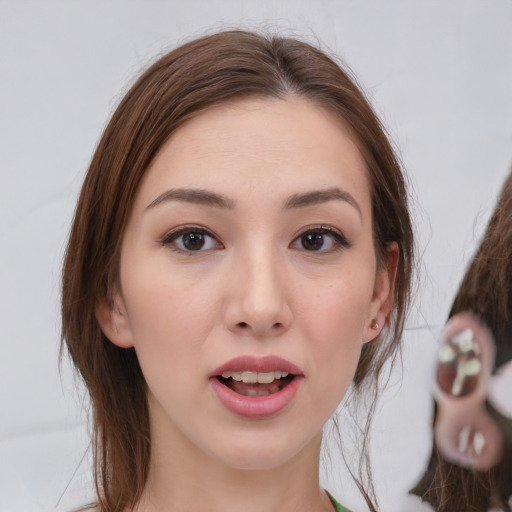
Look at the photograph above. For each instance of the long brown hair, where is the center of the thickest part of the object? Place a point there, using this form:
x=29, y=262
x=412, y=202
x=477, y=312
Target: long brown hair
x=178, y=86
x=486, y=290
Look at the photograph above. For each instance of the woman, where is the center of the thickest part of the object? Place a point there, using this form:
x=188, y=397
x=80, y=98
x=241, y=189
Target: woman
x=240, y=256
x=470, y=468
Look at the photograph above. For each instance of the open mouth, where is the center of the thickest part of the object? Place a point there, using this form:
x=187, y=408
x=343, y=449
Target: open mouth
x=256, y=384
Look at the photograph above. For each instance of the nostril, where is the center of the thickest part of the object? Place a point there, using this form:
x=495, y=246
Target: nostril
x=260, y=330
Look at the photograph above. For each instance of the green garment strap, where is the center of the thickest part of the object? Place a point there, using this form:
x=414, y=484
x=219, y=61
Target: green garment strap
x=337, y=506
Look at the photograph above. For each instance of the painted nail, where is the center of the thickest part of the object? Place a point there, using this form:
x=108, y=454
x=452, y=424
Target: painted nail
x=478, y=443
x=471, y=442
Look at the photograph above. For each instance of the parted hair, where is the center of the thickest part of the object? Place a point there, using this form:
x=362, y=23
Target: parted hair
x=486, y=290
x=178, y=86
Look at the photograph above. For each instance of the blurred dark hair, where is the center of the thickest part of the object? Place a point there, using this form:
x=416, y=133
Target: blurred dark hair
x=486, y=290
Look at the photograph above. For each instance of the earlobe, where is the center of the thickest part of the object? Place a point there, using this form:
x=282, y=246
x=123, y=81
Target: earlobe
x=112, y=318
x=382, y=300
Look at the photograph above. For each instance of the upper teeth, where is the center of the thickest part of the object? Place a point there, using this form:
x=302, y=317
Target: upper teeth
x=255, y=377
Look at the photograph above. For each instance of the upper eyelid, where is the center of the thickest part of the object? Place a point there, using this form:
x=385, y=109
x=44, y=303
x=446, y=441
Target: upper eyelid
x=320, y=227
x=189, y=228
x=180, y=230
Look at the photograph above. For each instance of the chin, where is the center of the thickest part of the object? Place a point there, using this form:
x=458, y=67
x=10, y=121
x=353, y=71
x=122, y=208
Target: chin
x=265, y=454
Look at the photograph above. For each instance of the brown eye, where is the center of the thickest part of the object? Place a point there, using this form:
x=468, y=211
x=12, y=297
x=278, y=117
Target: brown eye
x=312, y=241
x=191, y=240
x=322, y=239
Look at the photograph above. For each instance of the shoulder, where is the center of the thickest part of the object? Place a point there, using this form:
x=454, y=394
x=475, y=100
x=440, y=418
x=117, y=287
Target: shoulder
x=337, y=506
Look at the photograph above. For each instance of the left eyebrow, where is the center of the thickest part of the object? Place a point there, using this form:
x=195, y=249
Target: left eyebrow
x=321, y=196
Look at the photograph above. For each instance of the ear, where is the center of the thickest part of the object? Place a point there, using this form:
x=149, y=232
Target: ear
x=113, y=319
x=382, y=299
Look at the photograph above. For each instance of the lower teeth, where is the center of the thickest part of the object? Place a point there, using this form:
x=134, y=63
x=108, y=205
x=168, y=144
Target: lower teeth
x=255, y=390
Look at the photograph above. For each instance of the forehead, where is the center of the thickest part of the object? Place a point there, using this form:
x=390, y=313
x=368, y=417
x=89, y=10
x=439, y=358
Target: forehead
x=247, y=145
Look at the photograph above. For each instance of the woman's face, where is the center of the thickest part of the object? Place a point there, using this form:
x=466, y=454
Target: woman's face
x=248, y=252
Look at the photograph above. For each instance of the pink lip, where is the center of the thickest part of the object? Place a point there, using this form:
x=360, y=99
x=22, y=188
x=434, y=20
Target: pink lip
x=260, y=407
x=257, y=364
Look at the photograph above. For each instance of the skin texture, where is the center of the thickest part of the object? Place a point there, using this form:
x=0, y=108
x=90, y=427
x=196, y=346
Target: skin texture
x=254, y=290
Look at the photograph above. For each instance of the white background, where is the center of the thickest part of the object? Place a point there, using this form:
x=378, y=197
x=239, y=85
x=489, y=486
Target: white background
x=439, y=73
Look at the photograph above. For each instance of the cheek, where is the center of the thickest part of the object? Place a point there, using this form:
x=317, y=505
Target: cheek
x=336, y=319
x=169, y=316
x=170, y=323
x=339, y=310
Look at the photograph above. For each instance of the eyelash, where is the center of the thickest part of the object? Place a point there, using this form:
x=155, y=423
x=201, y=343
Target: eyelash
x=170, y=239
x=339, y=241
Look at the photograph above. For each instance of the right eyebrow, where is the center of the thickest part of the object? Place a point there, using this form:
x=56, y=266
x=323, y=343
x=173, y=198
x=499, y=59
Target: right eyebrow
x=196, y=196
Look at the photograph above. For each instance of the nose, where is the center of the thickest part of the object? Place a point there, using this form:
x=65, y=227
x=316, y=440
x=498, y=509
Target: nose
x=258, y=305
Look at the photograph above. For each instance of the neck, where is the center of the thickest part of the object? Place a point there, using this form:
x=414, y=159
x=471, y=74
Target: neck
x=182, y=477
